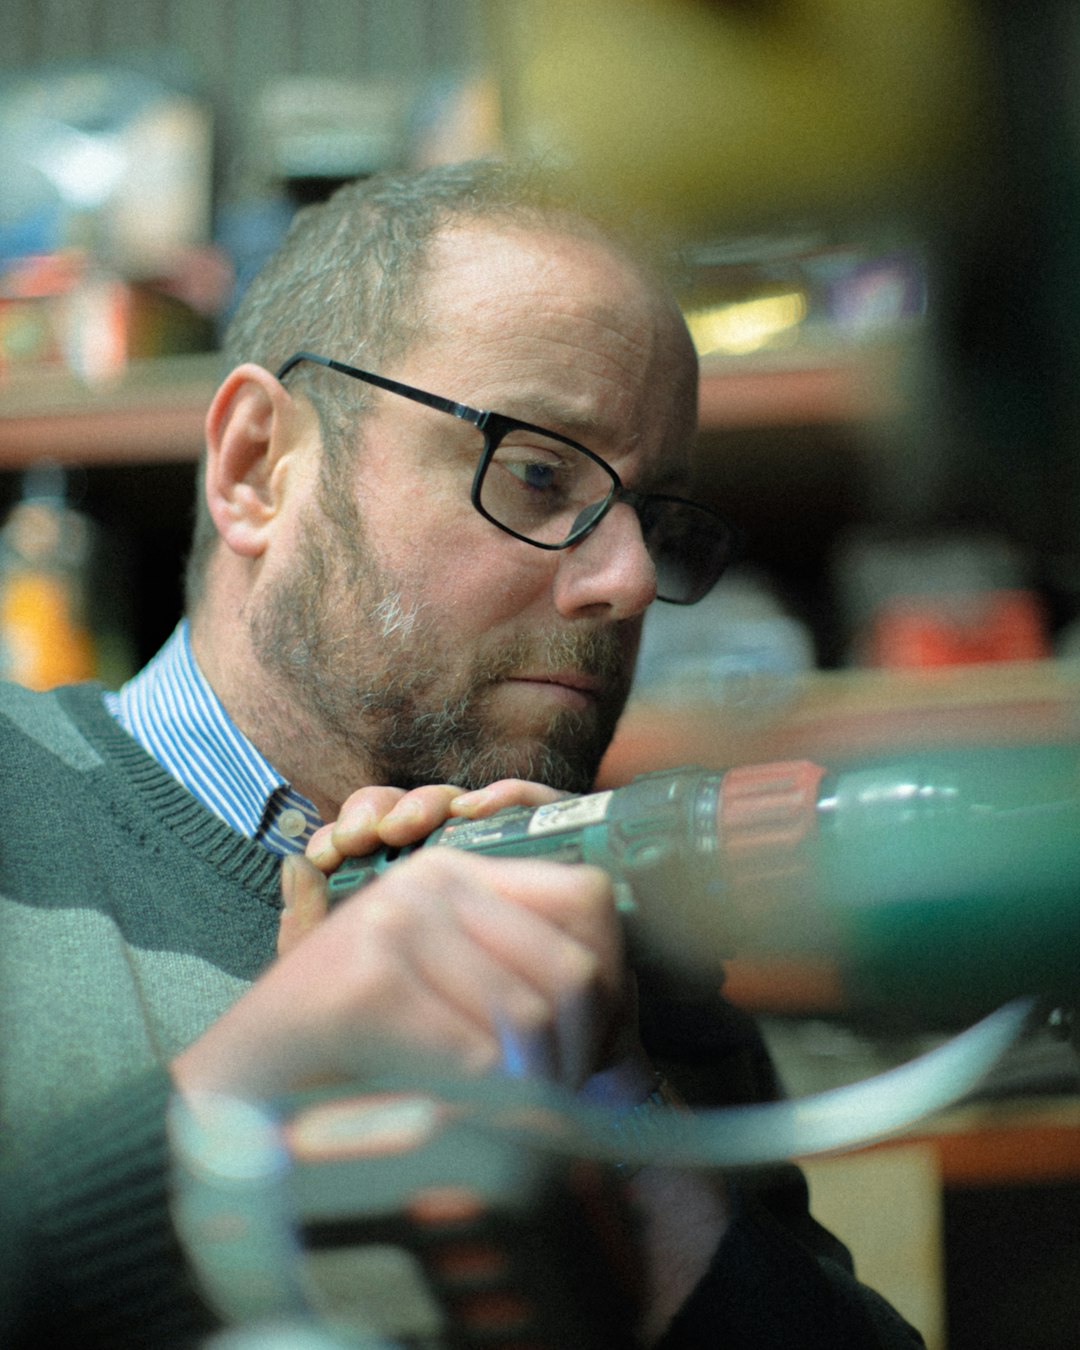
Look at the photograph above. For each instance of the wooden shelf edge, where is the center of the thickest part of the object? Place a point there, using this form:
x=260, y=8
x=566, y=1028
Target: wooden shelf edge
x=834, y=715
x=1020, y=1142
x=153, y=413
x=803, y=388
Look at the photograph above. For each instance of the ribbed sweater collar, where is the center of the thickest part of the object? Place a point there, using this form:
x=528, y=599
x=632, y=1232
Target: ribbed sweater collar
x=238, y=859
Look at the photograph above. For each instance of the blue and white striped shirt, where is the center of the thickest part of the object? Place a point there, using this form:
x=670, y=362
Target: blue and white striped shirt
x=175, y=716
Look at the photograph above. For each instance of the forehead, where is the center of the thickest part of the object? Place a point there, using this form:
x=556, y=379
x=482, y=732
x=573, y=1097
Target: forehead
x=543, y=324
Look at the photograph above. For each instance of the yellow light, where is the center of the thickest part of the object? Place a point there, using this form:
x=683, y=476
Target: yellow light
x=747, y=325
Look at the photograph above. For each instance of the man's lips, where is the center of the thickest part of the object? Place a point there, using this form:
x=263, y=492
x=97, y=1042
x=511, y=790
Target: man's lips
x=570, y=679
x=575, y=687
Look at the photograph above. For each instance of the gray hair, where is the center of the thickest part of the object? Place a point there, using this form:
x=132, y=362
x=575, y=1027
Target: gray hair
x=347, y=282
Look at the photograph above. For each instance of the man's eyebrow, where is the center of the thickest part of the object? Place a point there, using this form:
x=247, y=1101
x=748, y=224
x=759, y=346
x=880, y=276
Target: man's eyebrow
x=549, y=412
x=544, y=410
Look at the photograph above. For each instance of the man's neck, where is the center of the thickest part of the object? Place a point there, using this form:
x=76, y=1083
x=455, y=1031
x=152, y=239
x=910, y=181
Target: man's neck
x=299, y=749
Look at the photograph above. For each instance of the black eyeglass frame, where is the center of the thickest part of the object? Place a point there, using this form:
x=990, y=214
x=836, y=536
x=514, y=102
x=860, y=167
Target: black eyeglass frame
x=494, y=427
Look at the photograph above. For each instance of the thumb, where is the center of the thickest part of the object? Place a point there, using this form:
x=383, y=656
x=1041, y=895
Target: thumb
x=303, y=894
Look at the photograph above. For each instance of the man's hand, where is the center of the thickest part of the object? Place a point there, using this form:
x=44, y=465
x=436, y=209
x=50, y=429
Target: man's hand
x=449, y=958
x=378, y=816
x=459, y=959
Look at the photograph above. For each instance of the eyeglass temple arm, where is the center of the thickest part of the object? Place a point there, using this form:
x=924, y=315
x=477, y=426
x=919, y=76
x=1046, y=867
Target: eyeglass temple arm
x=460, y=410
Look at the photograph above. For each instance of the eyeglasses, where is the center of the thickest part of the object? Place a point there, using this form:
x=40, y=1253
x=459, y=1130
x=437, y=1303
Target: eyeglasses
x=551, y=492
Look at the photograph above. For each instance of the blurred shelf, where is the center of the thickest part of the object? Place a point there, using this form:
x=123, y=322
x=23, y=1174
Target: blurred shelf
x=1002, y=1143
x=834, y=715
x=153, y=413
x=806, y=386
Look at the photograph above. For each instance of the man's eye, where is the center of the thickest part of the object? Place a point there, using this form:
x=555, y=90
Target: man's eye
x=540, y=473
x=541, y=477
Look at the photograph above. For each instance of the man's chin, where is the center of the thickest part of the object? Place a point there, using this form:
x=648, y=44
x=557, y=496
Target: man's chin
x=568, y=764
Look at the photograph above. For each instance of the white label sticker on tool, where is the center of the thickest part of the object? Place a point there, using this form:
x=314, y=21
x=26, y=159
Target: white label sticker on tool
x=572, y=814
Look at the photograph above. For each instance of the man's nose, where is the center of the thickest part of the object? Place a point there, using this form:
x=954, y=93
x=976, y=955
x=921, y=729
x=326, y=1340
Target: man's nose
x=608, y=571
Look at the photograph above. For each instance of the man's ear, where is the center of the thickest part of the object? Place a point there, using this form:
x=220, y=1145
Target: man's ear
x=250, y=428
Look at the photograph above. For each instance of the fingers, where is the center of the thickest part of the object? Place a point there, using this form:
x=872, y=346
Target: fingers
x=374, y=817
x=498, y=796
x=468, y=961
x=574, y=901
x=530, y=951
x=495, y=1000
x=378, y=816
x=596, y=1008
x=447, y=959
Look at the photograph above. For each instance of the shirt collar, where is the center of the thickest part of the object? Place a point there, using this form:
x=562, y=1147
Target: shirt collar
x=171, y=710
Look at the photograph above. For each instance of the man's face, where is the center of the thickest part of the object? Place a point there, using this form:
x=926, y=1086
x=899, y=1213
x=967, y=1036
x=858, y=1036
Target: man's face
x=426, y=643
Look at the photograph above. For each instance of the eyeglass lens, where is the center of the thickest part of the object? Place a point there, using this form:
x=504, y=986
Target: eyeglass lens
x=688, y=546
x=538, y=486
x=547, y=491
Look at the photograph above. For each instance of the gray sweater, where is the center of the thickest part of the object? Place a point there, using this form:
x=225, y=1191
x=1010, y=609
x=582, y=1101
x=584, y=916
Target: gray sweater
x=131, y=918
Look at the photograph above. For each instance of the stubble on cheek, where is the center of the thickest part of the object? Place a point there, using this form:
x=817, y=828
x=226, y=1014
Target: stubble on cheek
x=385, y=685
x=427, y=723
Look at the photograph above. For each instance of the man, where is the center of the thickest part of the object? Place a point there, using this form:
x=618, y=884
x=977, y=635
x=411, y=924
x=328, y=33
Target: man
x=365, y=653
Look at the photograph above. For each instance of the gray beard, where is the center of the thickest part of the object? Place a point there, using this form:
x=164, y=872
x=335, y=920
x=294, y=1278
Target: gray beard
x=421, y=740
x=375, y=689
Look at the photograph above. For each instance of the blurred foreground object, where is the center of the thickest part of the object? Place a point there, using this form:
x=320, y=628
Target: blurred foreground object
x=480, y=1212
x=386, y=1213
x=938, y=130
x=706, y=113
x=930, y=886
x=1011, y=713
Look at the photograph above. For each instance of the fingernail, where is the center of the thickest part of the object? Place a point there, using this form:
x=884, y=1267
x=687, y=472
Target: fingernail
x=358, y=820
x=319, y=856
x=404, y=812
x=470, y=801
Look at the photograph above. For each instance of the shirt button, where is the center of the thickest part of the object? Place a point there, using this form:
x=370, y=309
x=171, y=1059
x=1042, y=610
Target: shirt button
x=292, y=823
